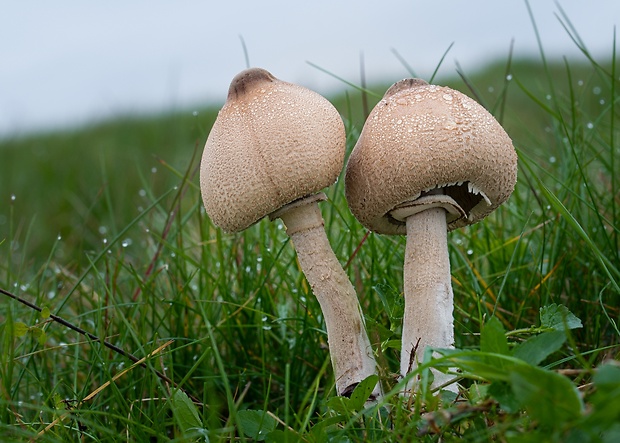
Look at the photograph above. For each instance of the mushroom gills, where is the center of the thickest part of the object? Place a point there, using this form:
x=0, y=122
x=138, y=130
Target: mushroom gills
x=458, y=199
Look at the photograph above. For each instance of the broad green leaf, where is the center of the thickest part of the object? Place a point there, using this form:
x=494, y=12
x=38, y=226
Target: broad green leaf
x=42, y=338
x=20, y=329
x=491, y=367
x=319, y=432
x=45, y=312
x=285, y=436
x=35, y=331
x=493, y=337
x=185, y=412
x=558, y=317
x=612, y=435
x=535, y=349
x=362, y=391
x=391, y=344
x=256, y=424
x=384, y=333
x=607, y=377
x=502, y=392
x=529, y=437
x=340, y=404
x=605, y=400
x=493, y=341
x=477, y=392
x=550, y=398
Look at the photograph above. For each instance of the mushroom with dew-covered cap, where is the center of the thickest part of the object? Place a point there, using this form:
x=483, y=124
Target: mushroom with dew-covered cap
x=273, y=147
x=429, y=160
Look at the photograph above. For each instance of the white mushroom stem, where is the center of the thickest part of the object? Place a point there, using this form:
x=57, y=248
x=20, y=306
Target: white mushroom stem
x=428, y=317
x=351, y=354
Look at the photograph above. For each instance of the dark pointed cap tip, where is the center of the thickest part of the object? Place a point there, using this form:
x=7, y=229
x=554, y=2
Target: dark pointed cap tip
x=247, y=80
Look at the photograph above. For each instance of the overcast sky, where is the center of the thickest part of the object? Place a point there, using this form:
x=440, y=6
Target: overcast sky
x=66, y=62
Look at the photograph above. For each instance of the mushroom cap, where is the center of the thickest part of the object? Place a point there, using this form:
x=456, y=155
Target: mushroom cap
x=273, y=142
x=420, y=137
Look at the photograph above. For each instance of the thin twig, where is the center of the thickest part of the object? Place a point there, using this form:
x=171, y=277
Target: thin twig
x=357, y=249
x=103, y=386
x=96, y=339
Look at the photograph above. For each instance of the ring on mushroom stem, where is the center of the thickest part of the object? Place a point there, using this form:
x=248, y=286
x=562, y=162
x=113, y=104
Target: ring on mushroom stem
x=273, y=147
x=429, y=160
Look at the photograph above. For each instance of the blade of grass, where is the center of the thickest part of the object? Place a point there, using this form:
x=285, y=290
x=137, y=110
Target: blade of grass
x=346, y=82
x=443, y=57
x=609, y=267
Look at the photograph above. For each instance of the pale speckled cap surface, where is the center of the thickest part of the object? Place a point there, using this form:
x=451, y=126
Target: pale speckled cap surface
x=272, y=143
x=419, y=137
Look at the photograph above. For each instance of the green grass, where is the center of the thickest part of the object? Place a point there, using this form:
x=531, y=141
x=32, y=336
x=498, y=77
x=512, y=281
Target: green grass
x=104, y=227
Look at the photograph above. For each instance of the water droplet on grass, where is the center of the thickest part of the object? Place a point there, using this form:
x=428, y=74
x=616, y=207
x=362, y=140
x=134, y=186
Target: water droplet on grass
x=12, y=197
x=470, y=252
x=142, y=193
x=509, y=77
x=552, y=159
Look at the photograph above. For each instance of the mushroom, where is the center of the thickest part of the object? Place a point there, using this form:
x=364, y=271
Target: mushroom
x=429, y=160
x=273, y=147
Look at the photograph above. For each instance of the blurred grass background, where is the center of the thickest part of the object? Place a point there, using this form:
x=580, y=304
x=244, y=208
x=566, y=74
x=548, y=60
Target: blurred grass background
x=104, y=225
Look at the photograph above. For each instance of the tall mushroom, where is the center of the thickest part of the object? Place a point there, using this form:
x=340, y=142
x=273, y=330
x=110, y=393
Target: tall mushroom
x=273, y=147
x=429, y=160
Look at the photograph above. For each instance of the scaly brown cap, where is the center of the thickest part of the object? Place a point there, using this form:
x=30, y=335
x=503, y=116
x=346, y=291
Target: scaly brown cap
x=273, y=142
x=421, y=137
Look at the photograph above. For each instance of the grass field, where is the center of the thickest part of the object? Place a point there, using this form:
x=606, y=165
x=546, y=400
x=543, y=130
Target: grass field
x=103, y=226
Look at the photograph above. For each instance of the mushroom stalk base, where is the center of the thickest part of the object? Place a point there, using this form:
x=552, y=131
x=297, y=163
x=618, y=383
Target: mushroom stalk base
x=349, y=346
x=428, y=317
